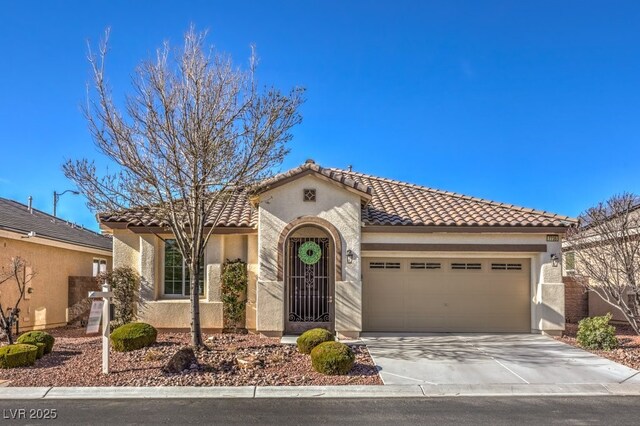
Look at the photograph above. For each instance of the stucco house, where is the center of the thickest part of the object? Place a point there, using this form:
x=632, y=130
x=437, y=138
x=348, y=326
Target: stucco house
x=57, y=251
x=357, y=253
x=592, y=304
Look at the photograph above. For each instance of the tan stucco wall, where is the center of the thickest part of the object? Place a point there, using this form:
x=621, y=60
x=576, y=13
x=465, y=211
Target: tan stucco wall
x=145, y=253
x=252, y=269
x=46, y=306
x=279, y=207
x=598, y=307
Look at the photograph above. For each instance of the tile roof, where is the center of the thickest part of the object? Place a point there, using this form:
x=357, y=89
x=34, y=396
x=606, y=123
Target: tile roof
x=311, y=167
x=388, y=203
x=238, y=212
x=16, y=217
x=400, y=203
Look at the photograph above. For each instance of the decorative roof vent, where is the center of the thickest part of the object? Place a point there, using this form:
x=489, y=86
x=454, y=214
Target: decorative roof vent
x=309, y=195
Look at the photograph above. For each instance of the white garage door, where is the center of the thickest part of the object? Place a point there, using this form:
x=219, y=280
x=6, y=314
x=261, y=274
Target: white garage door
x=446, y=295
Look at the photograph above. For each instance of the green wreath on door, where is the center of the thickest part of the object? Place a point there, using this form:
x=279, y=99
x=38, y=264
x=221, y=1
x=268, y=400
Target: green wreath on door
x=309, y=253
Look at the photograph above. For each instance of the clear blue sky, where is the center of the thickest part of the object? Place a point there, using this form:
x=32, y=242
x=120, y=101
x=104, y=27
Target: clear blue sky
x=535, y=103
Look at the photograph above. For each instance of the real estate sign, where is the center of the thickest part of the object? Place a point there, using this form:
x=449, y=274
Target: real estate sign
x=93, y=325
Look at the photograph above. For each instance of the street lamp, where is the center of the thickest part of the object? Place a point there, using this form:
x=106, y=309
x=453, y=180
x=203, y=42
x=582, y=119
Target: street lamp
x=57, y=196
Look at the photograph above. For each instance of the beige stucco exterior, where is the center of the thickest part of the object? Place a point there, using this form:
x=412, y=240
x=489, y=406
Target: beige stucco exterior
x=53, y=263
x=281, y=212
x=145, y=252
x=283, y=205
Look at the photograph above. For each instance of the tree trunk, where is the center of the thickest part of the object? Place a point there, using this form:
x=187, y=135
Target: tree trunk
x=196, y=329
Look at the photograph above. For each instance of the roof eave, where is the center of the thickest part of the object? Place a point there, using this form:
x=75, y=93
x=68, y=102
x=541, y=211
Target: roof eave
x=511, y=229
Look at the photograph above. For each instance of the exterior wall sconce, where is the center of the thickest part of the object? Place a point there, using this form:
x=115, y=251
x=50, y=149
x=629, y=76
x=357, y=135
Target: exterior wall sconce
x=349, y=256
x=554, y=259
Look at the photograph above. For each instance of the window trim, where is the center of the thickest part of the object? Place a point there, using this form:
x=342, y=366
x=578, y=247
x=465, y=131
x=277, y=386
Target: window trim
x=182, y=296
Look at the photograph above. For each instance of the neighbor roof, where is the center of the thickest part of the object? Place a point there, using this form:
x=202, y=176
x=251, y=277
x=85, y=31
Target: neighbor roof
x=16, y=217
x=387, y=203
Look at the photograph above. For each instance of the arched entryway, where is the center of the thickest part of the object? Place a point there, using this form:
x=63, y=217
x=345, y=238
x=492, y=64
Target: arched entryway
x=309, y=278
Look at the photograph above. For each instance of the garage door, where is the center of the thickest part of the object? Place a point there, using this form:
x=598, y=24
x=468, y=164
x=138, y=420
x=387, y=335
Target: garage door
x=446, y=295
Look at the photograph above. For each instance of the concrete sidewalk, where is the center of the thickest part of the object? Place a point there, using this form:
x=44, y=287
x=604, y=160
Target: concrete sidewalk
x=389, y=391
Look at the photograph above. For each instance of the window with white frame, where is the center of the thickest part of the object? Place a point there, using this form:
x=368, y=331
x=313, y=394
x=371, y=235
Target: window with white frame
x=99, y=266
x=176, y=273
x=570, y=261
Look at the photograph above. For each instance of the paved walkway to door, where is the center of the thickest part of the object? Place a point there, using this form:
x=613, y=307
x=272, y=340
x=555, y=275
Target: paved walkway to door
x=488, y=359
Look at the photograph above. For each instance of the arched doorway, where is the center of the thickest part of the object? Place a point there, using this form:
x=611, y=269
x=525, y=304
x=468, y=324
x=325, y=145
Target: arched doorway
x=309, y=279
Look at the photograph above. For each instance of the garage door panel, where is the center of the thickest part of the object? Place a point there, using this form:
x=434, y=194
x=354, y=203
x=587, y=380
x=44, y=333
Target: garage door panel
x=457, y=295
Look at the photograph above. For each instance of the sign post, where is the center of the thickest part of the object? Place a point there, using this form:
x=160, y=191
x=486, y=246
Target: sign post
x=94, y=320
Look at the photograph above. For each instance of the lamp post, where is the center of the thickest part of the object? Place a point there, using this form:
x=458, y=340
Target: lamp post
x=57, y=196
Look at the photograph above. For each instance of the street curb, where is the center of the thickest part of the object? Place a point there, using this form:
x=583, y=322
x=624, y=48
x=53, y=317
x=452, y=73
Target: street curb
x=389, y=391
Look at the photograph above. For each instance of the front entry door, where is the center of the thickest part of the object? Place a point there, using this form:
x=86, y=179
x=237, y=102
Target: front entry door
x=309, y=284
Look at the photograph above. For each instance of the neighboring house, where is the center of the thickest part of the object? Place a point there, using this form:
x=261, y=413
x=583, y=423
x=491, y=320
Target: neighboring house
x=393, y=257
x=55, y=250
x=590, y=303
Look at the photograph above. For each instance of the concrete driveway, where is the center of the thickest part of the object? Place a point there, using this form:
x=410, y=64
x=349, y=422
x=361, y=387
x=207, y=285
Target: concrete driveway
x=489, y=359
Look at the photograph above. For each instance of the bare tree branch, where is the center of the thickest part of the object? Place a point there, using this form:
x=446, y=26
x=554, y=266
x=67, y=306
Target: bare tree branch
x=607, y=252
x=194, y=130
x=18, y=272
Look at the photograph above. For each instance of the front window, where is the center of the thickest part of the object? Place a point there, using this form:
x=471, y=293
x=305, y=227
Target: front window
x=570, y=261
x=99, y=266
x=176, y=273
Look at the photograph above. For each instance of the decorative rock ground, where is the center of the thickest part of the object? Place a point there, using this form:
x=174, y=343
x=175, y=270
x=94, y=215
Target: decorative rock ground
x=76, y=361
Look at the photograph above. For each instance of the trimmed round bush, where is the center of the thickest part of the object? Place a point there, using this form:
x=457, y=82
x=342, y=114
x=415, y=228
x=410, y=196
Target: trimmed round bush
x=332, y=358
x=35, y=337
x=133, y=336
x=41, y=347
x=312, y=338
x=597, y=333
x=18, y=355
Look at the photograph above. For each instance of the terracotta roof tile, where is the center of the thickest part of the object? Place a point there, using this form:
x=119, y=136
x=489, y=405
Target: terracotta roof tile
x=400, y=203
x=389, y=202
x=237, y=212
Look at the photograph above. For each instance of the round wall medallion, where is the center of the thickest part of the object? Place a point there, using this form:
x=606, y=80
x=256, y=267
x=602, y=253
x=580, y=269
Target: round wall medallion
x=309, y=253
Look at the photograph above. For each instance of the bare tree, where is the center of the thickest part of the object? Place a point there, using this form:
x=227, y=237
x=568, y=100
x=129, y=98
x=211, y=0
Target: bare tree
x=194, y=132
x=16, y=270
x=607, y=253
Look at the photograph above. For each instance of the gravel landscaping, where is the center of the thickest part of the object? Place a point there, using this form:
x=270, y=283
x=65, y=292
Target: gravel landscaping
x=76, y=361
x=628, y=353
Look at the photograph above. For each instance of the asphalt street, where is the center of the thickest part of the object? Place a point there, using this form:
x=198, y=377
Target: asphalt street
x=610, y=410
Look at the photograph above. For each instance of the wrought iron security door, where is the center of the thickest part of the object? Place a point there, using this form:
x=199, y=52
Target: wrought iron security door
x=310, y=290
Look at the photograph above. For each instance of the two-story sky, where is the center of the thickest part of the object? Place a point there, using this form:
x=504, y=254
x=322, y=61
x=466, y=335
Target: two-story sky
x=535, y=103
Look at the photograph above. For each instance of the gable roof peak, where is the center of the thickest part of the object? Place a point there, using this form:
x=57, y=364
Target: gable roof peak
x=308, y=167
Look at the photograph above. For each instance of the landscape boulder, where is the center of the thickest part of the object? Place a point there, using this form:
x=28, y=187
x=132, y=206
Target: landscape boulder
x=180, y=361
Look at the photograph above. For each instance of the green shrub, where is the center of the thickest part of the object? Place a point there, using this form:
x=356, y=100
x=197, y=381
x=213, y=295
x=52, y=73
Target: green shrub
x=18, y=355
x=41, y=348
x=597, y=333
x=332, y=358
x=234, y=292
x=35, y=337
x=125, y=286
x=312, y=338
x=132, y=336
